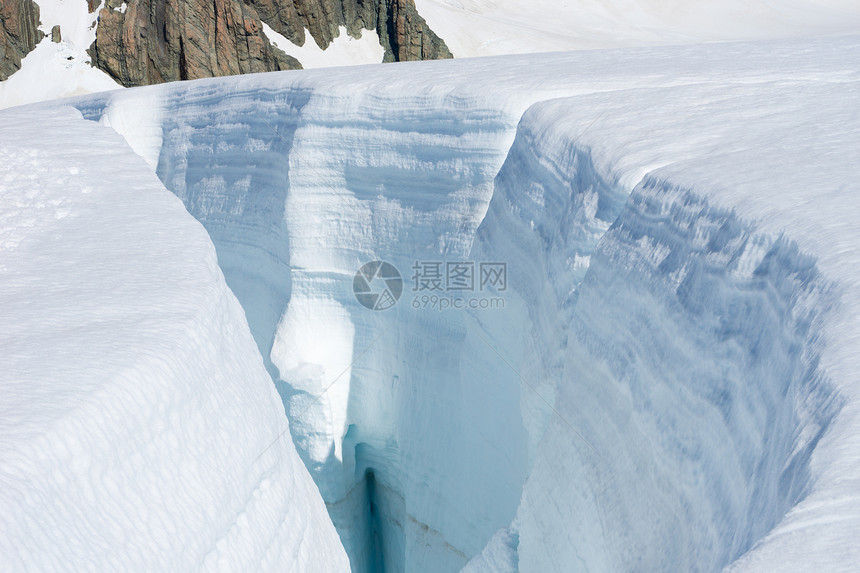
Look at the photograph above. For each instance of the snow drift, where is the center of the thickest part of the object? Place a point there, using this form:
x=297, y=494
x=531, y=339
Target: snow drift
x=671, y=382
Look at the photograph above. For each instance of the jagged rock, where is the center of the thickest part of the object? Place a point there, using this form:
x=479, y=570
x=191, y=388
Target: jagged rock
x=140, y=42
x=56, y=36
x=403, y=33
x=19, y=33
x=409, y=37
x=156, y=41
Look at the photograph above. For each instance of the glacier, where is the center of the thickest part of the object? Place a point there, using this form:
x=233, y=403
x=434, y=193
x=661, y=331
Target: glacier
x=671, y=382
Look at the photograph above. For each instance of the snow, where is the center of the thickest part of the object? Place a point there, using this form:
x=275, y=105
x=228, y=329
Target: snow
x=496, y=27
x=343, y=51
x=138, y=426
x=672, y=383
x=77, y=25
x=137, y=117
x=53, y=71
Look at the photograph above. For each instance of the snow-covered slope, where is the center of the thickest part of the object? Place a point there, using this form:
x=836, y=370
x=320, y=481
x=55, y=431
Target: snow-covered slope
x=138, y=427
x=672, y=382
x=496, y=27
x=58, y=70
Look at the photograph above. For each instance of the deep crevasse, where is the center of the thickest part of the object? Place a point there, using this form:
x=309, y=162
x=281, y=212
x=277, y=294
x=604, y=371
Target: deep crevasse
x=651, y=393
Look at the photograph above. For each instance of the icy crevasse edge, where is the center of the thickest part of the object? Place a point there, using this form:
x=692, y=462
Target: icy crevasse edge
x=137, y=424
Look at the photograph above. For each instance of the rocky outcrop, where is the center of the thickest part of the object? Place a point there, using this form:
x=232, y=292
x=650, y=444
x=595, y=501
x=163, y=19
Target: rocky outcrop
x=409, y=37
x=141, y=42
x=155, y=41
x=403, y=33
x=19, y=33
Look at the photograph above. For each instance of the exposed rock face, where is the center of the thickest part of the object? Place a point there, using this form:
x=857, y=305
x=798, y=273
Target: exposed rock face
x=19, y=33
x=409, y=36
x=403, y=33
x=141, y=42
x=154, y=41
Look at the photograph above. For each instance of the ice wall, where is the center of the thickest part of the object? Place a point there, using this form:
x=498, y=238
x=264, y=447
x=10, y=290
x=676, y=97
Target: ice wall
x=688, y=397
x=692, y=399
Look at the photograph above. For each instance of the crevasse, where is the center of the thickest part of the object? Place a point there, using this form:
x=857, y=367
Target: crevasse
x=647, y=399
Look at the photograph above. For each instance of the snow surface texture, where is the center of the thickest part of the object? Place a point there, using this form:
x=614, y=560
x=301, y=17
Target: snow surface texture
x=673, y=381
x=497, y=27
x=135, y=411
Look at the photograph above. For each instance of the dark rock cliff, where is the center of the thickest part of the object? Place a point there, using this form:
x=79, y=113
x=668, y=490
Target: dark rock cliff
x=19, y=33
x=154, y=41
x=403, y=33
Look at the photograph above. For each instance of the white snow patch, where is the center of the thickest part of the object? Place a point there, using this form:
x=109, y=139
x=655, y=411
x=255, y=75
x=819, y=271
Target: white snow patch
x=53, y=71
x=343, y=51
